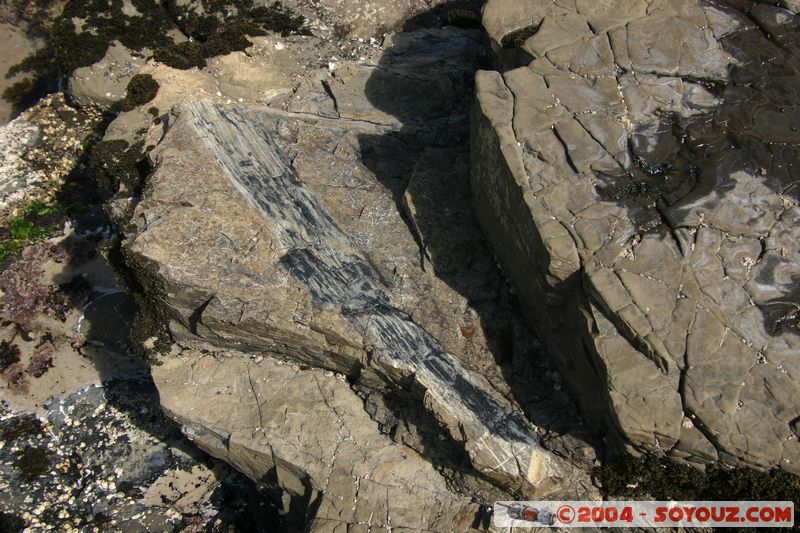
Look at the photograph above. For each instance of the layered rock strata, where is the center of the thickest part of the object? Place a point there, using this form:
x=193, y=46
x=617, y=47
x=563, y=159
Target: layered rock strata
x=307, y=432
x=320, y=231
x=306, y=290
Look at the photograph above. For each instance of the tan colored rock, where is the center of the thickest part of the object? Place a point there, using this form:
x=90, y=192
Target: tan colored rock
x=359, y=19
x=103, y=83
x=17, y=45
x=311, y=435
x=276, y=299
x=272, y=224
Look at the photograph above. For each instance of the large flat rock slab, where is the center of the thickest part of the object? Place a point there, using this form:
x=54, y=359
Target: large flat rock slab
x=636, y=169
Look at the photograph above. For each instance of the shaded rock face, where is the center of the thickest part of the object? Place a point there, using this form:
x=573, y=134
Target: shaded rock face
x=26, y=75
x=342, y=333
x=635, y=167
x=19, y=46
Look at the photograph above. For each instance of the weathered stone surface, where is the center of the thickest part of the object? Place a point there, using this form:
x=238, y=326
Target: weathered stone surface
x=308, y=281
x=358, y=19
x=308, y=432
x=436, y=63
x=318, y=265
x=39, y=149
x=340, y=332
x=17, y=45
x=637, y=173
x=107, y=456
x=84, y=443
x=103, y=84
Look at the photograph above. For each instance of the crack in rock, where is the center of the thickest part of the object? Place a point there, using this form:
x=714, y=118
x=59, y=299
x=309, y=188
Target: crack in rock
x=323, y=259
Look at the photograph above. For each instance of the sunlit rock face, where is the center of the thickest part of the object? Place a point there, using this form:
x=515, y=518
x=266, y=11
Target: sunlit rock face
x=341, y=330
x=327, y=284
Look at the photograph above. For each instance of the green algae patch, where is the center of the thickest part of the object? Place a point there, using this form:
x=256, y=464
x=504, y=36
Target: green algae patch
x=38, y=222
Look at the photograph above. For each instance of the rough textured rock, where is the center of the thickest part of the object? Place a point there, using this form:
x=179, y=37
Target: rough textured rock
x=106, y=457
x=84, y=443
x=308, y=285
x=337, y=258
x=635, y=165
x=307, y=432
x=17, y=45
x=122, y=42
x=356, y=19
x=103, y=84
x=298, y=215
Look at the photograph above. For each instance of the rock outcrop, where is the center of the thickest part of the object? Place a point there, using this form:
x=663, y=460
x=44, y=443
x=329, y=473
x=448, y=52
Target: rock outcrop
x=310, y=254
x=302, y=287
x=104, y=83
x=84, y=442
x=306, y=432
x=635, y=166
x=299, y=200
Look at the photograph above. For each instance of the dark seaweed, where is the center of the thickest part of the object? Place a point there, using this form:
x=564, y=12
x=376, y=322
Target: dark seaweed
x=141, y=89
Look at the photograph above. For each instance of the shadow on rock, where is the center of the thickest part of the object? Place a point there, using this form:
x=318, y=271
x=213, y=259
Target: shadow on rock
x=424, y=80
x=732, y=162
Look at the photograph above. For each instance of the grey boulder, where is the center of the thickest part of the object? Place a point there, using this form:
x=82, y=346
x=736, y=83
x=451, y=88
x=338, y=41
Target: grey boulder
x=635, y=167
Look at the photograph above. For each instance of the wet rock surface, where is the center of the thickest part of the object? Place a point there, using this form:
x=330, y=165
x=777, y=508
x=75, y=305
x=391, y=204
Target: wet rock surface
x=644, y=186
x=40, y=149
x=84, y=443
x=26, y=75
x=106, y=458
x=297, y=212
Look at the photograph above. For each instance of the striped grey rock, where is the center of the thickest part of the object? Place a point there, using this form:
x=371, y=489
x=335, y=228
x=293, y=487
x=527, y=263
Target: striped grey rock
x=636, y=166
x=282, y=276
